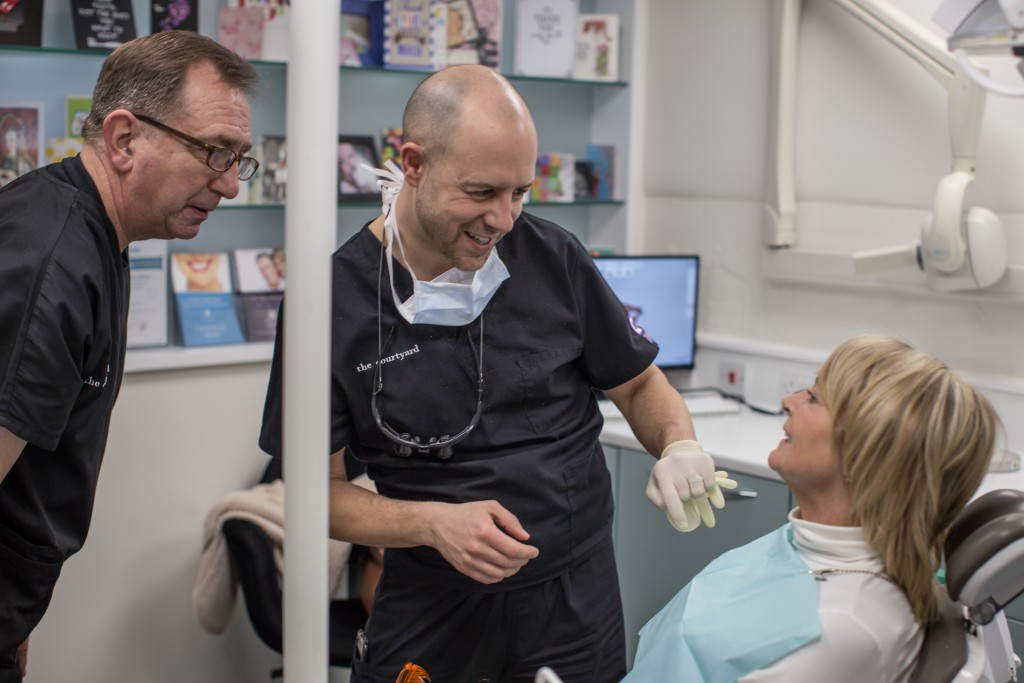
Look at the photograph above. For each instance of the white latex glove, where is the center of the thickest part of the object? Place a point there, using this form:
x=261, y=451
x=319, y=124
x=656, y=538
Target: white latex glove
x=683, y=472
x=699, y=509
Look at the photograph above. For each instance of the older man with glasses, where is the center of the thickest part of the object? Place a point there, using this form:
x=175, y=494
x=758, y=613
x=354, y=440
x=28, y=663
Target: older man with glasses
x=64, y=234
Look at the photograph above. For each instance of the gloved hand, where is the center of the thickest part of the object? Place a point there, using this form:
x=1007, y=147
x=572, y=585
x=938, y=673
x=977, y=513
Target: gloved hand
x=699, y=509
x=684, y=473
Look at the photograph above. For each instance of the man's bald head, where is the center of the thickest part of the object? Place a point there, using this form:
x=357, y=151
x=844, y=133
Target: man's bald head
x=440, y=104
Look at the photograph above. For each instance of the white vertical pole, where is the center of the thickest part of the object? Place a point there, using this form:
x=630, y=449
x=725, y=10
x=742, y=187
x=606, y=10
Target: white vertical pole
x=636, y=194
x=310, y=229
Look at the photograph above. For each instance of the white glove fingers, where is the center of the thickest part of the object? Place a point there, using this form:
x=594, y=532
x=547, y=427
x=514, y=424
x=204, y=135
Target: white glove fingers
x=663, y=492
x=676, y=511
x=717, y=498
x=689, y=521
x=723, y=480
x=707, y=515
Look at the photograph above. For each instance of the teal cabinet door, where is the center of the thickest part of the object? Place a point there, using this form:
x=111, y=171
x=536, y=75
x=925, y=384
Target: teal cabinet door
x=655, y=561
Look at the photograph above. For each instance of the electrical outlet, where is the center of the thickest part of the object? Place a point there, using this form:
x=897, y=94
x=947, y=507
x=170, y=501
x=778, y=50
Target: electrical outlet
x=794, y=380
x=731, y=377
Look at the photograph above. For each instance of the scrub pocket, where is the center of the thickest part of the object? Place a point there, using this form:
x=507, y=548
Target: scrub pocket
x=367, y=673
x=26, y=585
x=587, y=490
x=549, y=386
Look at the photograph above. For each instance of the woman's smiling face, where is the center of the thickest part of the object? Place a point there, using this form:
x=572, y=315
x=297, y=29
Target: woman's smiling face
x=806, y=458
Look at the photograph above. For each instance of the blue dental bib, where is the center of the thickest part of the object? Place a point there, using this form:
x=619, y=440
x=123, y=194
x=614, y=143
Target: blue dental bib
x=746, y=610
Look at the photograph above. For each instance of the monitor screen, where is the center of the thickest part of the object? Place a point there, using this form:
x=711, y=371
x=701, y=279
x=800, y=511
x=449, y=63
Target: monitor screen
x=660, y=293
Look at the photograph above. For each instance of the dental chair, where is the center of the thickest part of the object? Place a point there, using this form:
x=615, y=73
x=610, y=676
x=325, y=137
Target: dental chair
x=984, y=556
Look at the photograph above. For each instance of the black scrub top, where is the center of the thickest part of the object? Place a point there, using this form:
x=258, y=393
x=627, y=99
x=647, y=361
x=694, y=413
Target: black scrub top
x=63, y=309
x=553, y=331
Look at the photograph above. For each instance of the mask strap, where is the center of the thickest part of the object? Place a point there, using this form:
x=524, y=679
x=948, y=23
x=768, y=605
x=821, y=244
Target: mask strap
x=391, y=180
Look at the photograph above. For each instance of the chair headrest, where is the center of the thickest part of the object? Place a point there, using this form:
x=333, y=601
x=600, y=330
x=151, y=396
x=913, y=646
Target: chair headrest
x=985, y=553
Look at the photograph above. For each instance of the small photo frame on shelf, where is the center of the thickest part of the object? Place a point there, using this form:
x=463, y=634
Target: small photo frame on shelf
x=362, y=32
x=21, y=140
x=273, y=169
x=21, y=22
x=168, y=15
x=355, y=182
x=76, y=110
x=473, y=32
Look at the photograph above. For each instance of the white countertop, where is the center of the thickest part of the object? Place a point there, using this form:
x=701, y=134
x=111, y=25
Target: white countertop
x=741, y=442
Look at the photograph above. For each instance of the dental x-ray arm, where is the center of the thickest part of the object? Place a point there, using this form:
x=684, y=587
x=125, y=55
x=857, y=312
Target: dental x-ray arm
x=948, y=236
x=984, y=27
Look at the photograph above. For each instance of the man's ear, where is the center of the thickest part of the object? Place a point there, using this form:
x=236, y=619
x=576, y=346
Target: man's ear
x=121, y=133
x=413, y=162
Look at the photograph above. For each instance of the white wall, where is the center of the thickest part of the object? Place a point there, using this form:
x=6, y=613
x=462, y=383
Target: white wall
x=872, y=143
x=122, y=610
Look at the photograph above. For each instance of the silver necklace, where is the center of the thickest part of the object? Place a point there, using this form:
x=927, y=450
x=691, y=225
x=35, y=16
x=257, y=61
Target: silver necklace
x=823, y=574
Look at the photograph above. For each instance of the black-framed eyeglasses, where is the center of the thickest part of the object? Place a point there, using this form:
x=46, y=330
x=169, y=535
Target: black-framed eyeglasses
x=219, y=159
x=405, y=443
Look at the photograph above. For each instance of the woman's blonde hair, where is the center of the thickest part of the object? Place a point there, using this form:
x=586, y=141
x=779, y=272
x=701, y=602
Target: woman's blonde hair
x=914, y=440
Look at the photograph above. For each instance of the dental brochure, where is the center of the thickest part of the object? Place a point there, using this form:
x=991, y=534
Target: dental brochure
x=203, y=299
x=147, y=307
x=259, y=283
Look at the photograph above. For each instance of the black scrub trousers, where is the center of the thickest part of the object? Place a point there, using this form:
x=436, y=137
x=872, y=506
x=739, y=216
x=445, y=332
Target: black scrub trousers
x=572, y=623
x=553, y=331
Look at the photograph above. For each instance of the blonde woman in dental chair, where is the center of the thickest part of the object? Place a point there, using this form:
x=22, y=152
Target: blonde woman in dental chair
x=880, y=454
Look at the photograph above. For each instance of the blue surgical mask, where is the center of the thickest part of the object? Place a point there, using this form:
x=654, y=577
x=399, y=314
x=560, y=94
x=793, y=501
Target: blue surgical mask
x=455, y=297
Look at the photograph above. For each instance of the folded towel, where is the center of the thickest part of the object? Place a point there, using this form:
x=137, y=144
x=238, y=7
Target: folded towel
x=213, y=597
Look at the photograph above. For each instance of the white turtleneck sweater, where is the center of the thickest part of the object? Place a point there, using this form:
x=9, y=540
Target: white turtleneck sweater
x=868, y=632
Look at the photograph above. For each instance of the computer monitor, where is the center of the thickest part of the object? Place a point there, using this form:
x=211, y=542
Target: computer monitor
x=660, y=293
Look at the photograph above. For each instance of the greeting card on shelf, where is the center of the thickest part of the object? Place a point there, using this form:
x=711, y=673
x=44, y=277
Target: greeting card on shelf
x=275, y=34
x=58, y=149
x=102, y=24
x=584, y=184
x=555, y=178
x=241, y=29
x=362, y=33
x=390, y=141
x=473, y=32
x=603, y=159
x=203, y=299
x=259, y=281
x=21, y=22
x=147, y=309
x=21, y=141
x=168, y=15
x=597, y=47
x=545, y=38
x=408, y=34
x=76, y=110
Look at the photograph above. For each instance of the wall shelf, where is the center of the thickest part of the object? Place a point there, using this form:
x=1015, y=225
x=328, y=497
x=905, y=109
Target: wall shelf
x=180, y=357
x=102, y=54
